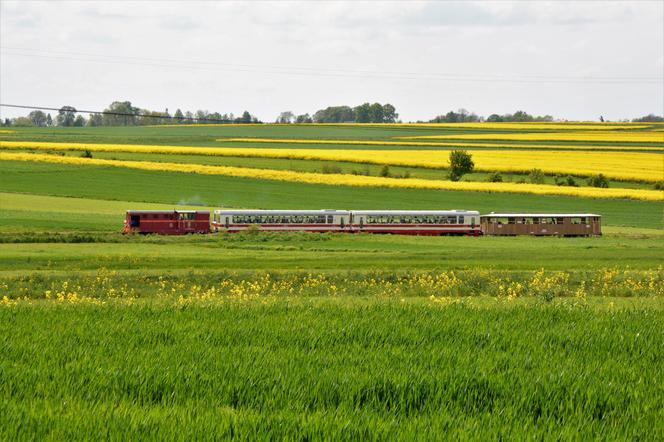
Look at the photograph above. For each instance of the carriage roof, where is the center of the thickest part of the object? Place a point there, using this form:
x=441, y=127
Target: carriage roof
x=417, y=212
x=281, y=212
x=540, y=215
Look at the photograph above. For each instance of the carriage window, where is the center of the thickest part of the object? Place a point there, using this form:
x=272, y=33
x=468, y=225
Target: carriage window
x=329, y=219
x=461, y=220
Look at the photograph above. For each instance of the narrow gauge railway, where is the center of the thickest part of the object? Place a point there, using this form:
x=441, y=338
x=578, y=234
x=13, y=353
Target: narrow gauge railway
x=398, y=222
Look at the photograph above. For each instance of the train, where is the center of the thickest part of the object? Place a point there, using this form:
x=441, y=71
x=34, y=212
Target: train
x=396, y=222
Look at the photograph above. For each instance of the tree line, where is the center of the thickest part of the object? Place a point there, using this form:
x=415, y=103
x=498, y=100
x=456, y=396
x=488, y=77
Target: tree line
x=123, y=113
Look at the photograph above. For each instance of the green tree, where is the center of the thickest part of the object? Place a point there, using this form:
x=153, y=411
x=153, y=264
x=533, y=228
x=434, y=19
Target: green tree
x=376, y=113
x=461, y=163
x=49, y=120
x=246, y=117
x=121, y=113
x=95, y=120
x=389, y=113
x=22, y=122
x=304, y=118
x=363, y=113
x=66, y=116
x=286, y=117
x=79, y=121
x=38, y=118
x=178, y=116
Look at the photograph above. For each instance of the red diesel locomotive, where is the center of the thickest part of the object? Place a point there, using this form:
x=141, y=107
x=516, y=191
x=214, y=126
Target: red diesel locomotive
x=171, y=222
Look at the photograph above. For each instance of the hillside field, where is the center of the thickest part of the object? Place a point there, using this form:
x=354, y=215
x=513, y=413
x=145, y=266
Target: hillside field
x=316, y=336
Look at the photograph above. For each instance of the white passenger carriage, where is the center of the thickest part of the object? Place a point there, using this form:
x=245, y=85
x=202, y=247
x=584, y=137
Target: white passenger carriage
x=282, y=220
x=417, y=222
x=399, y=222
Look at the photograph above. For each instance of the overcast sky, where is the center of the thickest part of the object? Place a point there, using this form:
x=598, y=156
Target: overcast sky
x=573, y=60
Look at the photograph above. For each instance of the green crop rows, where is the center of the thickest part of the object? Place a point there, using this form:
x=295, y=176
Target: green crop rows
x=315, y=336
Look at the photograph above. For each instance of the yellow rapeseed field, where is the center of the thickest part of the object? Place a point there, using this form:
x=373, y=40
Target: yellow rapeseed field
x=345, y=180
x=618, y=165
x=597, y=136
x=482, y=125
x=434, y=144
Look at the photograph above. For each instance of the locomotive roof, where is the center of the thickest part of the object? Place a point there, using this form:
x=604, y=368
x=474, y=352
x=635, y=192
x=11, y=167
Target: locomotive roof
x=539, y=215
x=168, y=211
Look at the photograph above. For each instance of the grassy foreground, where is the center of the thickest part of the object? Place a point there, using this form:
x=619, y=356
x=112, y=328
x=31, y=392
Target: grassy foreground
x=349, y=368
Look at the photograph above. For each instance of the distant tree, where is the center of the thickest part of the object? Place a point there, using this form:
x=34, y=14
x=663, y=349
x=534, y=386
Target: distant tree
x=214, y=116
x=189, y=117
x=650, y=118
x=362, y=113
x=121, y=113
x=461, y=116
x=521, y=116
x=286, y=117
x=147, y=117
x=494, y=118
x=22, y=122
x=335, y=114
x=178, y=116
x=66, y=116
x=95, y=120
x=201, y=116
x=79, y=121
x=461, y=163
x=246, y=117
x=390, y=114
x=49, y=120
x=7, y=122
x=38, y=118
x=376, y=113
x=304, y=118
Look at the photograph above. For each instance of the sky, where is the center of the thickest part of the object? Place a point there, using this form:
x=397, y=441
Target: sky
x=573, y=60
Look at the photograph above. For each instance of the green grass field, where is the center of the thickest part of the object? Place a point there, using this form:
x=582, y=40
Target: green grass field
x=307, y=336
x=344, y=369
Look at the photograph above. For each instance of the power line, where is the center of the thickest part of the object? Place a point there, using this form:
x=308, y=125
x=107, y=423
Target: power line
x=321, y=72
x=121, y=114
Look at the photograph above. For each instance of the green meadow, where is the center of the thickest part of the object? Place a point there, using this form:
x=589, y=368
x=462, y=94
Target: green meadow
x=315, y=336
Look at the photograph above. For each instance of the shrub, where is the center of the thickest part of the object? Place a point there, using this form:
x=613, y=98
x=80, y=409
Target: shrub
x=331, y=168
x=385, y=171
x=86, y=154
x=598, y=181
x=495, y=177
x=659, y=186
x=565, y=181
x=536, y=176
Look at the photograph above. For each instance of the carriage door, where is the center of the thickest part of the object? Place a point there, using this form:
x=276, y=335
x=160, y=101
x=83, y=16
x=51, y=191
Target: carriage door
x=185, y=222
